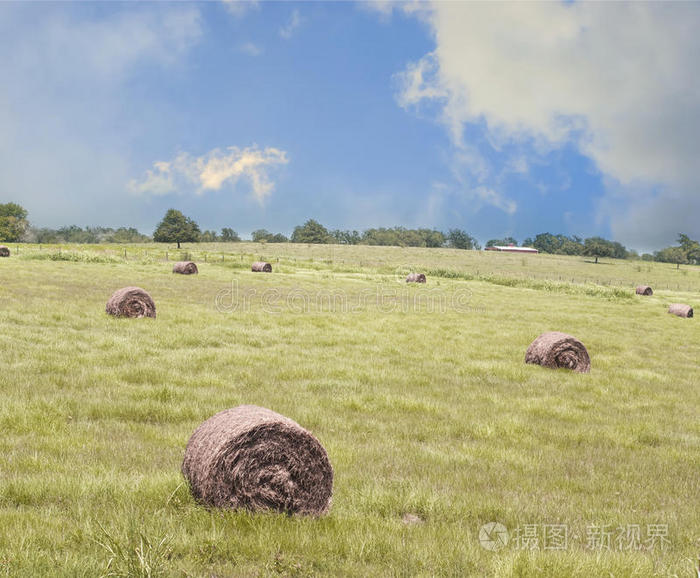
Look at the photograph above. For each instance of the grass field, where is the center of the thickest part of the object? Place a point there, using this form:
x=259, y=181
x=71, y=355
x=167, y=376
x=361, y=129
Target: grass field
x=418, y=393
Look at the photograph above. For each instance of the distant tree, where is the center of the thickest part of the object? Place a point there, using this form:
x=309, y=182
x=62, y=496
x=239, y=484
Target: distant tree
x=176, y=228
x=346, y=237
x=501, y=242
x=229, y=235
x=13, y=222
x=208, y=237
x=459, y=239
x=311, y=232
x=260, y=235
x=672, y=255
x=647, y=257
x=278, y=238
x=546, y=243
x=570, y=247
x=126, y=235
x=598, y=247
x=690, y=247
x=76, y=234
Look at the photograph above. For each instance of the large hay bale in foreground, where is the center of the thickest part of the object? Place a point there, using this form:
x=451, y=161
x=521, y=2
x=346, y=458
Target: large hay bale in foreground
x=415, y=278
x=253, y=458
x=681, y=310
x=131, y=302
x=4, y=251
x=644, y=290
x=185, y=268
x=556, y=349
x=261, y=267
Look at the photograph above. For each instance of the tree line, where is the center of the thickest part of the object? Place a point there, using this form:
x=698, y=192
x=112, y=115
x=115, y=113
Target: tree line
x=175, y=227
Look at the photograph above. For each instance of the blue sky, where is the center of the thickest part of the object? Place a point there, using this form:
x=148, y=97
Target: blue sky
x=500, y=119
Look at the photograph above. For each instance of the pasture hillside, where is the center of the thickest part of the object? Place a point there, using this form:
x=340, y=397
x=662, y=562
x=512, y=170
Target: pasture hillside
x=435, y=427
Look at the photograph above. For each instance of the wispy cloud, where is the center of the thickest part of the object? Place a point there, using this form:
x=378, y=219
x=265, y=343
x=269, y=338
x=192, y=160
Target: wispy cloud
x=239, y=8
x=250, y=49
x=213, y=171
x=288, y=30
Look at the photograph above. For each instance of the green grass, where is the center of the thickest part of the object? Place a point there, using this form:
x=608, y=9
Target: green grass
x=419, y=394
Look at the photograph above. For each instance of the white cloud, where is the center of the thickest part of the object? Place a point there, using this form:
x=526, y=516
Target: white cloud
x=212, y=171
x=288, y=30
x=251, y=49
x=618, y=79
x=240, y=8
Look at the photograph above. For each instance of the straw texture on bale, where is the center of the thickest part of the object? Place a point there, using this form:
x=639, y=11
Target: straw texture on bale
x=415, y=278
x=555, y=350
x=252, y=458
x=185, y=268
x=644, y=290
x=681, y=310
x=261, y=267
x=131, y=302
x=4, y=251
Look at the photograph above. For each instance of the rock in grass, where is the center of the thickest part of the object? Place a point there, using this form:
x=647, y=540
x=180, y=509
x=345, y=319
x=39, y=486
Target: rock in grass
x=556, y=350
x=4, y=251
x=644, y=290
x=131, y=302
x=252, y=458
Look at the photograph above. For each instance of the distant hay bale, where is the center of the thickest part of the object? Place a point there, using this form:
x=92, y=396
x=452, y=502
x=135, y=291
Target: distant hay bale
x=131, y=302
x=644, y=290
x=681, y=310
x=252, y=458
x=555, y=350
x=4, y=251
x=185, y=268
x=261, y=267
x=415, y=278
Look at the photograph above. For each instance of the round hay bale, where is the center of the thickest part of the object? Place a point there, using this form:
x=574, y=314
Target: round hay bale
x=131, y=302
x=185, y=268
x=4, y=251
x=555, y=350
x=681, y=310
x=644, y=290
x=415, y=278
x=261, y=267
x=253, y=458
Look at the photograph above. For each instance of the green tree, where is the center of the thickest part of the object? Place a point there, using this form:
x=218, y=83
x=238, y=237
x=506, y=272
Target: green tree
x=278, y=238
x=690, y=247
x=228, y=235
x=126, y=235
x=13, y=222
x=459, y=239
x=176, y=228
x=260, y=235
x=502, y=242
x=672, y=255
x=208, y=237
x=598, y=247
x=346, y=237
x=311, y=232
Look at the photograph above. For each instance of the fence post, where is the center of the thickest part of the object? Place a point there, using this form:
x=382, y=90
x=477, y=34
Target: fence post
x=166, y=256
